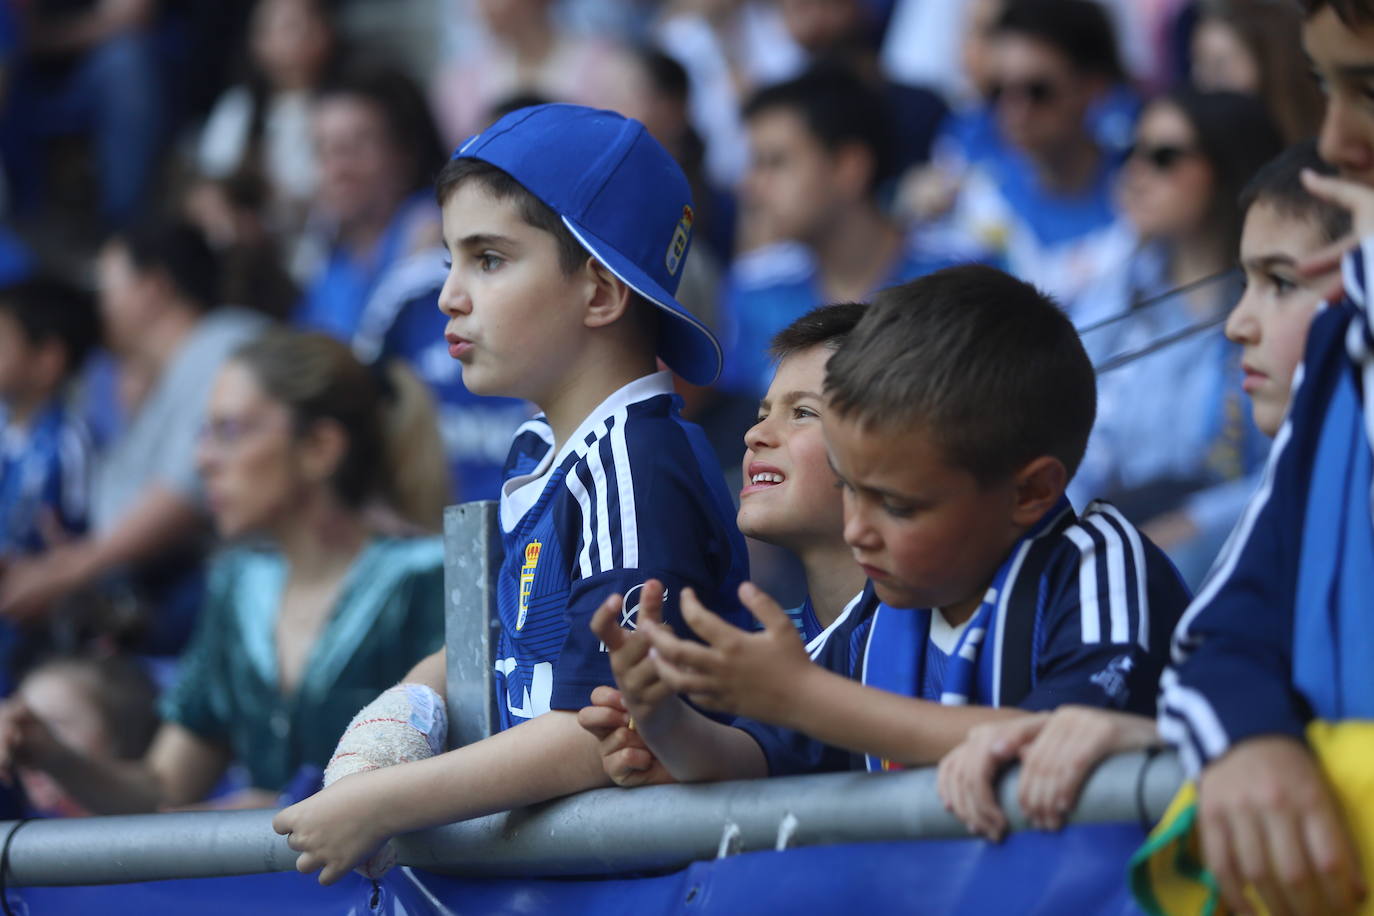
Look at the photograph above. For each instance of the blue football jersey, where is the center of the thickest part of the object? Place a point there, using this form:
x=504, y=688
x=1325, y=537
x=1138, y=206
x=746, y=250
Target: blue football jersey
x=634, y=494
x=1083, y=614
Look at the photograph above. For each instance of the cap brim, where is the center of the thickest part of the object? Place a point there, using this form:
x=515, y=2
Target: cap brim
x=686, y=344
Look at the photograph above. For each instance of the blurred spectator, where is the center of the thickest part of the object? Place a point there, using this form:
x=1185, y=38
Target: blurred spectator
x=261, y=127
x=232, y=214
x=820, y=149
x=376, y=152
x=293, y=638
x=1247, y=46
x=525, y=52
x=157, y=283
x=845, y=32
x=1173, y=429
x=660, y=97
x=95, y=68
x=1044, y=206
x=46, y=330
x=99, y=707
x=729, y=48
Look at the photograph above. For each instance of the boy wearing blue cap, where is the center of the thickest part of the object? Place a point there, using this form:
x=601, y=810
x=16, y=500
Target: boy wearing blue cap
x=567, y=228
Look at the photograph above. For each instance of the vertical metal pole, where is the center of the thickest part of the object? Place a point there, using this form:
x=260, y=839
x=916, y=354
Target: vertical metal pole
x=472, y=558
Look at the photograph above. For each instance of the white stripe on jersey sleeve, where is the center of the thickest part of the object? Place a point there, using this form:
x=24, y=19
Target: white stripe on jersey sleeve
x=1116, y=580
x=584, y=502
x=603, y=522
x=1090, y=613
x=1196, y=719
x=1142, y=593
x=625, y=489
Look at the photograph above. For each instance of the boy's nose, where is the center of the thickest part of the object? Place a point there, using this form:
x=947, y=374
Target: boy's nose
x=859, y=534
x=760, y=435
x=1241, y=326
x=452, y=299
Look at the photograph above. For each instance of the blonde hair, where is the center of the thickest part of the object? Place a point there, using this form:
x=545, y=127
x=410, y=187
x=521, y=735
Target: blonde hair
x=394, y=451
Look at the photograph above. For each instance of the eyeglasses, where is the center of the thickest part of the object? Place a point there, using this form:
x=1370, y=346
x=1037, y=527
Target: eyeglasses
x=1162, y=157
x=1035, y=92
x=227, y=432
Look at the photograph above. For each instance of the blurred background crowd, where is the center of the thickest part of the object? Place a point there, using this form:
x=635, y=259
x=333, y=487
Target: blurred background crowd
x=212, y=521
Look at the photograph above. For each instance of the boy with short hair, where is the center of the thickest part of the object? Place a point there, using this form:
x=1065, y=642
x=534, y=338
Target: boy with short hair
x=46, y=330
x=958, y=409
x=567, y=229
x=1281, y=632
x=1284, y=225
x=789, y=500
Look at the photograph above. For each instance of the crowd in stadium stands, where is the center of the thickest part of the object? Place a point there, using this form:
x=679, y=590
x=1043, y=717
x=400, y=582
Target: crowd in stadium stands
x=237, y=389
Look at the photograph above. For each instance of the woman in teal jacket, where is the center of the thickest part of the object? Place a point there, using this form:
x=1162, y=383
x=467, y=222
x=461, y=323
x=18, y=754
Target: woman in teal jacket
x=317, y=612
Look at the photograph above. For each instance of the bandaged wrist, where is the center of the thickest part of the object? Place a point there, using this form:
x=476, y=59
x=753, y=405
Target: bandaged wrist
x=407, y=722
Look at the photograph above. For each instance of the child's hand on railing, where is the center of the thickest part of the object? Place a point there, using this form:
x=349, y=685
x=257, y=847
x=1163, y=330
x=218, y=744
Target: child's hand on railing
x=625, y=757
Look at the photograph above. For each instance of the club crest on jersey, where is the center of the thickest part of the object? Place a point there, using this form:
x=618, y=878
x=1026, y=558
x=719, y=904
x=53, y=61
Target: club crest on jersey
x=678, y=246
x=527, y=581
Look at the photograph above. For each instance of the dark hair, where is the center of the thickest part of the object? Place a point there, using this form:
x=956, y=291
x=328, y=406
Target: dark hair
x=404, y=110
x=1349, y=11
x=49, y=309
x=179, y=250
x=384, y=411
x=121, y=691
x=666, y=75
x=984, y=362
x=1279, y=184
x=1078, y=29
x=826, y=325
x=1266, y=28
x=521, y=99
x=1236, y=136
x=838, y=109
x=499, y=183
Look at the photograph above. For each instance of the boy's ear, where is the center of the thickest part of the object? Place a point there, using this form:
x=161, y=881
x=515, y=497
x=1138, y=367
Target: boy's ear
x=608, y=296
x=1039, y=484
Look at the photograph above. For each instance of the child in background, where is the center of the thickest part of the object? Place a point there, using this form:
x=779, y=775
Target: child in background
x=46, y=330
x=103, y=707
x=957, y=412
x=567, y=228
x=789, y=499
x=1284, y=225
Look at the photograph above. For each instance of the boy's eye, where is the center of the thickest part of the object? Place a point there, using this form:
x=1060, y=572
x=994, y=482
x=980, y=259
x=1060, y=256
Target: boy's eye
x=842, y=484
x=1282, y=285
x=898, y=510
x=489, y=262
x=800, y=412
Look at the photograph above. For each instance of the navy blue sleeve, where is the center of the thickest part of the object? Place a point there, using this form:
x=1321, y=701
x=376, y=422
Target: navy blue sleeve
x=791, y=753
x=1108, y=601
x=1231, y=671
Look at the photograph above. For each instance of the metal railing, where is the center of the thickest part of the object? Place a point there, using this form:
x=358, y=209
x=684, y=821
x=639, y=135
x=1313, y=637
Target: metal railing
x=603, y=832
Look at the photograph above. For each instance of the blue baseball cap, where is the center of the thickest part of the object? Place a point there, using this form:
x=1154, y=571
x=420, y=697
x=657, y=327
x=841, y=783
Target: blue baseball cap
x=622, y=196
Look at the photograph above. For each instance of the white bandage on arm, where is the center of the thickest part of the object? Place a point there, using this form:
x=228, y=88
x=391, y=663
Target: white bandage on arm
x=407, y=722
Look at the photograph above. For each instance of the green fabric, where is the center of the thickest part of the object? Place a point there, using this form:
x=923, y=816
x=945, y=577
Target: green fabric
x=389, y=615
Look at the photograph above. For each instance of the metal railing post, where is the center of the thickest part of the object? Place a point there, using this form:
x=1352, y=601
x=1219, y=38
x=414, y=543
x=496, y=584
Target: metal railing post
x=472, y=558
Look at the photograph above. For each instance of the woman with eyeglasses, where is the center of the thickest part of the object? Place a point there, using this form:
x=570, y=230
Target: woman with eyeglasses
x=313, y=612
x=1174, y=442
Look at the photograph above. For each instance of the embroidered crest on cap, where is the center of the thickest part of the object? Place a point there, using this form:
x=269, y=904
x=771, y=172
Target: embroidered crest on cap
x=678, y=246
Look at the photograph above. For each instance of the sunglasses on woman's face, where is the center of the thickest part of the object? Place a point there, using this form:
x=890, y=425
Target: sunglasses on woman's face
x=1162, y=157
x=1036, y=92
